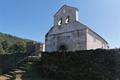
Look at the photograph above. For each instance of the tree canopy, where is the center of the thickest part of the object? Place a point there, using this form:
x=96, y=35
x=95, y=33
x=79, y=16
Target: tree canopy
x=11, y=44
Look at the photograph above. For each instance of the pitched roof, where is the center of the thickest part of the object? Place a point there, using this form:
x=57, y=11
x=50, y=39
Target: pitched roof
x=94, y=32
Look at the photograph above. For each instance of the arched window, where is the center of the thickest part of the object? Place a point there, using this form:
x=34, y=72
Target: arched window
x=67, y=19
x=60, y=21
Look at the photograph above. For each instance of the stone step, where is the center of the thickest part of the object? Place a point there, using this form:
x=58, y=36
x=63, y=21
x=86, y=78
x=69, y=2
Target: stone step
x=2, y=77
x=9, y=76
x=21, y=67
x=15, y=74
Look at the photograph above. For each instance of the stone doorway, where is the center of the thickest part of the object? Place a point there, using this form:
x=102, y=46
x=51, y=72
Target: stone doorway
x=62, y=48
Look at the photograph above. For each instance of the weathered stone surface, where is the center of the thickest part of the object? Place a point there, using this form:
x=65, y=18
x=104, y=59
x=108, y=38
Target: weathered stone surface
x=69, y=34
x=97, y=64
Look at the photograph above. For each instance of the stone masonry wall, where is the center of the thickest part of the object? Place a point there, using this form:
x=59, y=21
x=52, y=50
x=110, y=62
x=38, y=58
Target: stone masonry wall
x=81, y=65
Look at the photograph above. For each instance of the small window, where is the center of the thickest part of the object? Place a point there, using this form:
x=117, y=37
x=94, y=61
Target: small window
x=67, y=19
x=60, y=21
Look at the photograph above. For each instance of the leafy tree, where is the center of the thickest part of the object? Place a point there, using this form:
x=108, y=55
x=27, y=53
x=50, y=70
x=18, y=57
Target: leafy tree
x=8, y=43
x=18, y=47
x=1, y=50
x=5, y=46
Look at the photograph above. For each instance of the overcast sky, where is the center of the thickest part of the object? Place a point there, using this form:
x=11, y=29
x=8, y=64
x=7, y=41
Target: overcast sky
x=33, y=18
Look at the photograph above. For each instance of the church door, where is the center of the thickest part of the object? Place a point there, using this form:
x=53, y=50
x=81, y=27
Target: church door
x=62, y=48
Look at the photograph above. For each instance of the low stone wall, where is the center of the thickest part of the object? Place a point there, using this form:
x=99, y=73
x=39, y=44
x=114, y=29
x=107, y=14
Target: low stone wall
x=81, y=65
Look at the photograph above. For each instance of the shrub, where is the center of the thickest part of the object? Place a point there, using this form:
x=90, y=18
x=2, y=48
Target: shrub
x=85, y=65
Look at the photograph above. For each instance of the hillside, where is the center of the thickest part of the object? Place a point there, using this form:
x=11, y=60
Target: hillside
x=11, y=39
x=12, y=44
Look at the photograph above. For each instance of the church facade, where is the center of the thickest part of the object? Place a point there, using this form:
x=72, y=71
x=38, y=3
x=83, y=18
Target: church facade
x=68, y=34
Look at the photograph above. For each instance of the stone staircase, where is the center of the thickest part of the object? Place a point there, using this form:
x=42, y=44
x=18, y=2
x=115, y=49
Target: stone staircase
x=19, y=70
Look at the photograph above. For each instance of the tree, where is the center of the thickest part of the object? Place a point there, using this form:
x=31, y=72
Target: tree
x=18, y=47
x=1, y=49
x=5, y=46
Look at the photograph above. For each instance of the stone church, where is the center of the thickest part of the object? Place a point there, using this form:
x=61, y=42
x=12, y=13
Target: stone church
x=68, y=34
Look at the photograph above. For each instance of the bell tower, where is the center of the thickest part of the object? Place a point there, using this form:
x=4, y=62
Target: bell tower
x=65, y=15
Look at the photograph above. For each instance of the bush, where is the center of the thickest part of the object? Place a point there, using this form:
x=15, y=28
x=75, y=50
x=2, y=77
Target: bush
x=0, y=71
x=85, y=65
x=9, y=61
